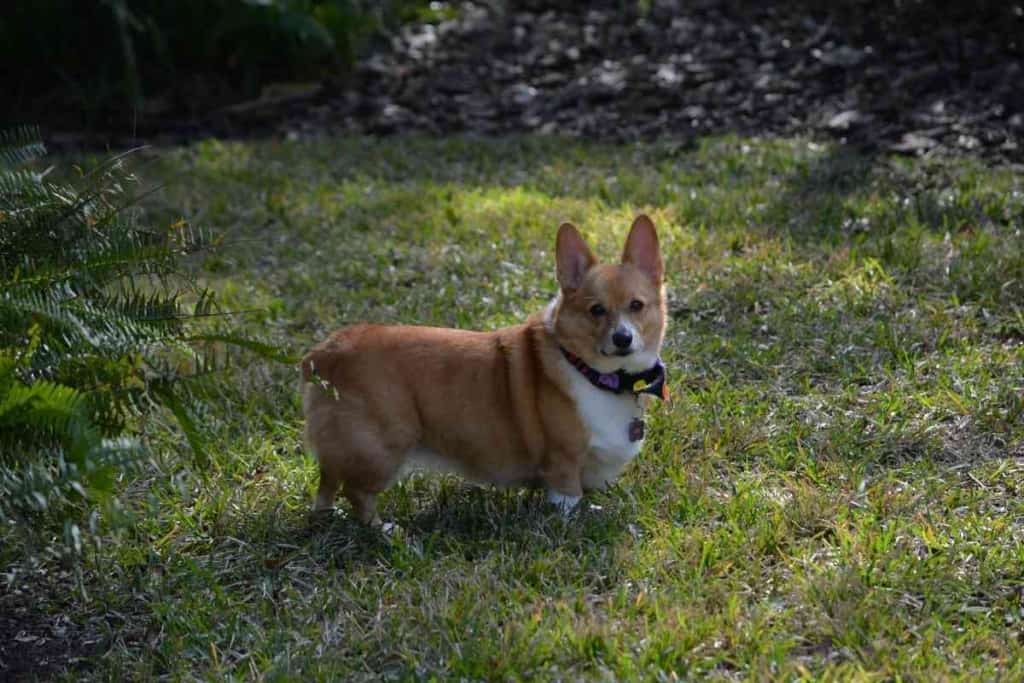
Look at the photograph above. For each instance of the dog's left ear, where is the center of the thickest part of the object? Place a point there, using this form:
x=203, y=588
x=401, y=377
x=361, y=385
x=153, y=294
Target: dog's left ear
x=642, y=249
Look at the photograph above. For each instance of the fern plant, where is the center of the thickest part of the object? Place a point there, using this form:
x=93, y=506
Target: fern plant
x=99, y=322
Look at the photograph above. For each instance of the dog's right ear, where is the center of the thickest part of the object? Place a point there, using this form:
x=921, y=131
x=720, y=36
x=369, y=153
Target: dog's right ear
x=572, y=256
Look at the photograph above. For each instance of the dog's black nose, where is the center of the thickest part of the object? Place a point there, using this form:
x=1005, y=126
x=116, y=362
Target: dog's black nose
x=622, y=339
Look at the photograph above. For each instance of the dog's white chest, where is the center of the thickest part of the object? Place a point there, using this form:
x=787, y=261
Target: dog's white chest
x=607, y=417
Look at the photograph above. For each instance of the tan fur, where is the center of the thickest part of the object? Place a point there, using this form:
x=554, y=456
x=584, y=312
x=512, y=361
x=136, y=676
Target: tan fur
x=495, y=406
x=614, y=286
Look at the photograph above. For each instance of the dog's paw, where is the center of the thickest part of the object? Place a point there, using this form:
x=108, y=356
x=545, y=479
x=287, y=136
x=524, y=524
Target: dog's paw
x=390, y=529
x=565, y=504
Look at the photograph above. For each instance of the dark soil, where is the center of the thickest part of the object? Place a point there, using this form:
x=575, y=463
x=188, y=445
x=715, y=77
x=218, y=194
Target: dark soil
x=918, y=85
x=38, y=645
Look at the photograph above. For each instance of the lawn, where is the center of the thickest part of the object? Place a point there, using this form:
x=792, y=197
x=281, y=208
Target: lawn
x=834, y=491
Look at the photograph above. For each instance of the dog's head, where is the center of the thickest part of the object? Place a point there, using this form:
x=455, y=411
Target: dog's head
x=610, y=315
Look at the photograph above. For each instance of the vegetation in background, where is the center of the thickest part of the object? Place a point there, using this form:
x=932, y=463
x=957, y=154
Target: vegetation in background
x=114, y=57
x=99, y=322
x=834, y=491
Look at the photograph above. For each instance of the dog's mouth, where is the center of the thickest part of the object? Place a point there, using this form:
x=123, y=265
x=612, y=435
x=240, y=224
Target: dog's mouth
x=621, y=353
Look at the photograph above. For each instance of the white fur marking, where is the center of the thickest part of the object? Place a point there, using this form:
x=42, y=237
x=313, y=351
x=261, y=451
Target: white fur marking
x=549, y=313
x=638, y=361
x=607, y=417
x=564, y=503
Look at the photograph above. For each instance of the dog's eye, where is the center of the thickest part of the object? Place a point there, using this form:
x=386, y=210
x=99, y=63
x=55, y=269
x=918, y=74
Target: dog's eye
x=597, y=310
x=636, y=305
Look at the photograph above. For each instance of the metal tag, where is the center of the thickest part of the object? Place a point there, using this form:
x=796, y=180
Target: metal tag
x=636, y=429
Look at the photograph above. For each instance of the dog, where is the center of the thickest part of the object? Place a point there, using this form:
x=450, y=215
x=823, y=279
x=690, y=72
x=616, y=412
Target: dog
x=556, y=401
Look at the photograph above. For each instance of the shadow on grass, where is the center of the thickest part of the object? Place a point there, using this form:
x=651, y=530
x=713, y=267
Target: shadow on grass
x=815, y=197
x=455, y=519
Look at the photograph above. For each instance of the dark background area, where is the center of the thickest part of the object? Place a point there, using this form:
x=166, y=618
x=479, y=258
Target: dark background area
x=97, y=64
x=905, y=75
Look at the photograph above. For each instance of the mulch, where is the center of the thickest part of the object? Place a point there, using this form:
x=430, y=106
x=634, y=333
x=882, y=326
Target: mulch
x=36, y=644
x=678, y=70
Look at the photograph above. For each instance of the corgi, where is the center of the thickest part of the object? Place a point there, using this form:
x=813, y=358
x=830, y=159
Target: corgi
x=556, y=401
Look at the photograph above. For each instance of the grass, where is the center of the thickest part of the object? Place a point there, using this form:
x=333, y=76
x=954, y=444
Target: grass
x=834, y=492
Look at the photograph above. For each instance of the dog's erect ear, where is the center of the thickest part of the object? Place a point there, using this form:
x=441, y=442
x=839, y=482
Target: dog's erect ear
x=642, y=249
x=572, y=256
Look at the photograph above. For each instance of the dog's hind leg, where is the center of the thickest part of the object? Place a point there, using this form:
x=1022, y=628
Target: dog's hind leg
x=361, y=466
x=330, y=482
x=364, y=504
x=357, y=454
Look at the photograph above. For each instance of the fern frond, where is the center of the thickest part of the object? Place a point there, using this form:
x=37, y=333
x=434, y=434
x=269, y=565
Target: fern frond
x=99, y=323
x=20, y=145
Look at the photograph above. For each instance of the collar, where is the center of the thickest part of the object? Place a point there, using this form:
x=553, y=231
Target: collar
x=650, y=381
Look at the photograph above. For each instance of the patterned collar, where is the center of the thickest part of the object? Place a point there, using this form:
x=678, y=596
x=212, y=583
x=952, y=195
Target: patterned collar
x=650, y=381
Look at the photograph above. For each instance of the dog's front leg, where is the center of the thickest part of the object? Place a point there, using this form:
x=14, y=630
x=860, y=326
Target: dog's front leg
x=565, y=503
x=562, y=477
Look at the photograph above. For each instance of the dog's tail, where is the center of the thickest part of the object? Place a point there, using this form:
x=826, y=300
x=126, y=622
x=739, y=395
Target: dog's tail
x=315, y=369
x=308, y=366
x=311, y=385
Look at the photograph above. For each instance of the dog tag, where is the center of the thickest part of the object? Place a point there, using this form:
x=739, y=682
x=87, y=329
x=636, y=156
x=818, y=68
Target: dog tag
x=636, y=429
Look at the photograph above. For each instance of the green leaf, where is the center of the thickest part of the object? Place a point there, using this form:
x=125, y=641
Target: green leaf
x=262, y=349
x=188, y=426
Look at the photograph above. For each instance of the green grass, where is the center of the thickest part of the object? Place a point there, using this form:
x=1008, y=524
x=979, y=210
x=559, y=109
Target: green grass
x=834, y=492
